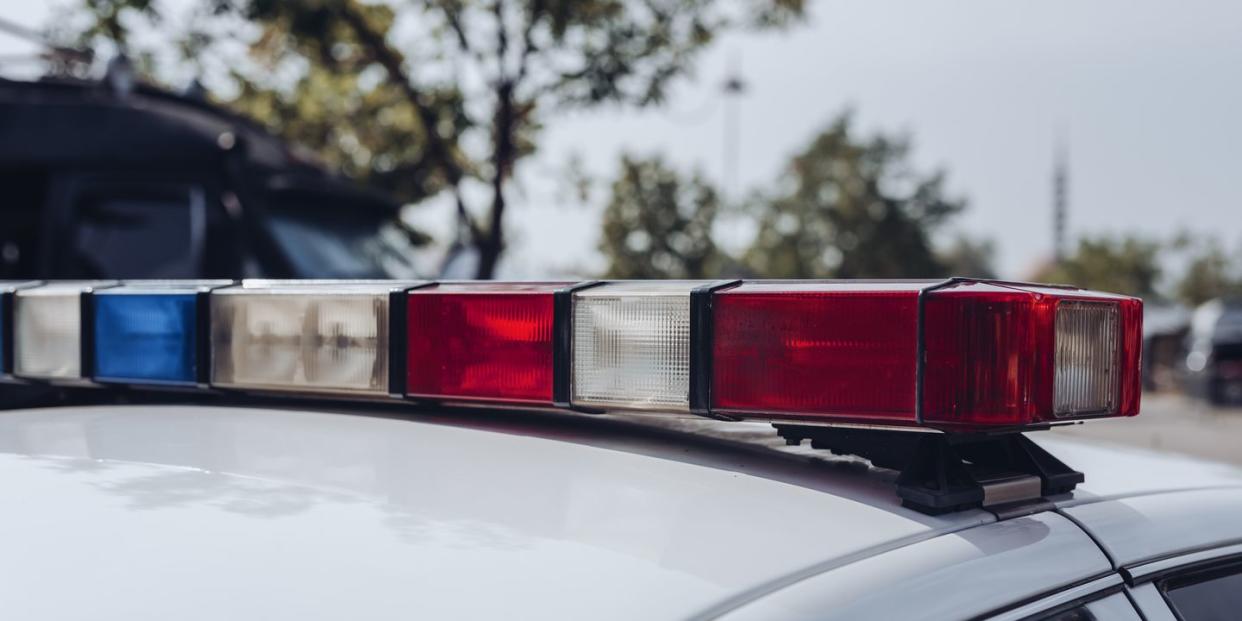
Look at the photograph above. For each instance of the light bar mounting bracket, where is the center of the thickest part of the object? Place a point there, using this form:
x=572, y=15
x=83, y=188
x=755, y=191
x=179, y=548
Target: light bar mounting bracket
x=947, y=472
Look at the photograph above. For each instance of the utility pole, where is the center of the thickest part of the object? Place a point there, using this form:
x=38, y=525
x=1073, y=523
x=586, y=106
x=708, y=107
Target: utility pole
x=1060, y=199
x=732, y=89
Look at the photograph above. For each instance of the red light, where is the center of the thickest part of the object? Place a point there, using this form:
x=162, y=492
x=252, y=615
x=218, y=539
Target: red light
x=991, y=354
x=847, y=353
x=481, y=341
x=842, y=351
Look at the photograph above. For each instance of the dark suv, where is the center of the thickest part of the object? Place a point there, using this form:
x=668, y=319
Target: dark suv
x=101, y=182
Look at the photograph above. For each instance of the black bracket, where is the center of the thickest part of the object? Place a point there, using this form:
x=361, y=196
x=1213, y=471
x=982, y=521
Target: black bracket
x=946, y=472
x=562, y=340
x=398, y=334
x=702, y=337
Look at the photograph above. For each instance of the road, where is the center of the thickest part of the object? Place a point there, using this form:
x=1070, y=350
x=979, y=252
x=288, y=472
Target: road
x=1173, y=423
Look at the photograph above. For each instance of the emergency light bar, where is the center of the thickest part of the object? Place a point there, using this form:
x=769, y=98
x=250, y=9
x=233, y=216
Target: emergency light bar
x=955, y=355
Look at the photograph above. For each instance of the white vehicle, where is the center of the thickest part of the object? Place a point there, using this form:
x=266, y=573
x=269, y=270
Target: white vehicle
x=471, y=497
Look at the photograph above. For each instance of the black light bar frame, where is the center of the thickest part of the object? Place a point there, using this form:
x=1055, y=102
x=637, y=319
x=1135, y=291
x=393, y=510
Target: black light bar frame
x=398, y=336
x=563, y=343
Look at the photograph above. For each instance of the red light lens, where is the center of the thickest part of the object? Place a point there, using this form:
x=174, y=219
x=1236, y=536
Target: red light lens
x=481, y=341
x=838, y=351
x=989, y=355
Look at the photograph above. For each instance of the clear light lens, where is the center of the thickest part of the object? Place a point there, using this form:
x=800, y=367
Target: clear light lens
x=327, y=338
x=47, y=332
x=631, y=345
x=1088, y=375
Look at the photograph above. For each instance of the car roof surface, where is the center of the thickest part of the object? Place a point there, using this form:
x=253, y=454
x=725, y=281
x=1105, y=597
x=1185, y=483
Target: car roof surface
x=221, y=512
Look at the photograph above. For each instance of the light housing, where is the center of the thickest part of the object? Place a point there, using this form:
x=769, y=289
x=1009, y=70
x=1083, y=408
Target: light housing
x=482, y=341
x=309, y=337
x=994, y=354
x=631, y=345
x=153, y=332
x=50, y=342
x=7, y=289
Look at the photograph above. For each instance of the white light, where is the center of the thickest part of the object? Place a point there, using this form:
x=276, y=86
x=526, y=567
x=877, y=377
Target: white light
x=318, y=338
x=631, y=345
x=1088, y=375
x=47, y=330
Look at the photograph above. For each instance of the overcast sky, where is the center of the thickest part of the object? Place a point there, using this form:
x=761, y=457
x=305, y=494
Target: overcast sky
x=1147, y=95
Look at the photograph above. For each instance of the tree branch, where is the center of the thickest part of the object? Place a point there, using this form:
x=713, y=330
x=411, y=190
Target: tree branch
x=392, y=61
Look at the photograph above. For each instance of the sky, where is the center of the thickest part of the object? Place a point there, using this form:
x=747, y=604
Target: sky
x=1146, y=96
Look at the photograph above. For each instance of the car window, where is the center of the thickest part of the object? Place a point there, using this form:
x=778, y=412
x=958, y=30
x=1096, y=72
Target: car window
x=341, y=242
x=148, y=235
x=1206, y=595
x=1115, y=607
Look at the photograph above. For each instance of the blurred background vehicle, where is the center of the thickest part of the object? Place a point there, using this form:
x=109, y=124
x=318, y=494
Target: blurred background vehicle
x=1214, y=351
x=117, y=179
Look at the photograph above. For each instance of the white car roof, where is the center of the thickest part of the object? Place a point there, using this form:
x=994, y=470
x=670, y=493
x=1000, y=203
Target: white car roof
x=210, y=512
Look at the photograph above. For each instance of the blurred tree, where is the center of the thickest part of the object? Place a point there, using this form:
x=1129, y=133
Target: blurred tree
x=852, y=207
x=659, y=225
x=1125, y=264
x=1210, y=271
x=436, y=95
x=969, y=257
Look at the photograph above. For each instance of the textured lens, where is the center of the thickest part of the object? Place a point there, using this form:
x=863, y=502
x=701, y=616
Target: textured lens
x=310, y=341
x=631, y=345
x=145, y=338
x=488, y=341
x=47, y=336
x=1087, y=368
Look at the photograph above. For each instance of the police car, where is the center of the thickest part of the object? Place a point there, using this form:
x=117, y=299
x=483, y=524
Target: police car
x=735, y=450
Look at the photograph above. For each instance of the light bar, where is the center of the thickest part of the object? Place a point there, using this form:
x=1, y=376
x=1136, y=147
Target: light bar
x=311, y=337
x=153, y=332
x=7, y=289
x=47, y=331
x=482, y=341
x=631, y=346
x=956, y=355
x=995, y=354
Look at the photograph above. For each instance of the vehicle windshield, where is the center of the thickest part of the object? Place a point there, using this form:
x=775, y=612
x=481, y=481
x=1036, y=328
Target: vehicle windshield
x=342, y=242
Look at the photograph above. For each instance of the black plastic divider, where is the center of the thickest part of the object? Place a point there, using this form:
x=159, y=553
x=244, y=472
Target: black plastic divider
x=86, y=330
x=920, y=352
x=702, y=335
x=86, y=333
x=6, y=332
x=398, y=336
x=7, y=294
x=562, y=340
x=202, y=333
x=202, y=337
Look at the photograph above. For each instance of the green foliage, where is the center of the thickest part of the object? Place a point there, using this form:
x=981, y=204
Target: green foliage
x=1210, y=272
x=1120, y=264
x=852, y=208
x=659, y=225
x=969, y=257
x=426, y=97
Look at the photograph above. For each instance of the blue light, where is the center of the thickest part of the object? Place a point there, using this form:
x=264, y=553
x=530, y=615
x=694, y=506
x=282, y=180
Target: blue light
x=146, y=338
